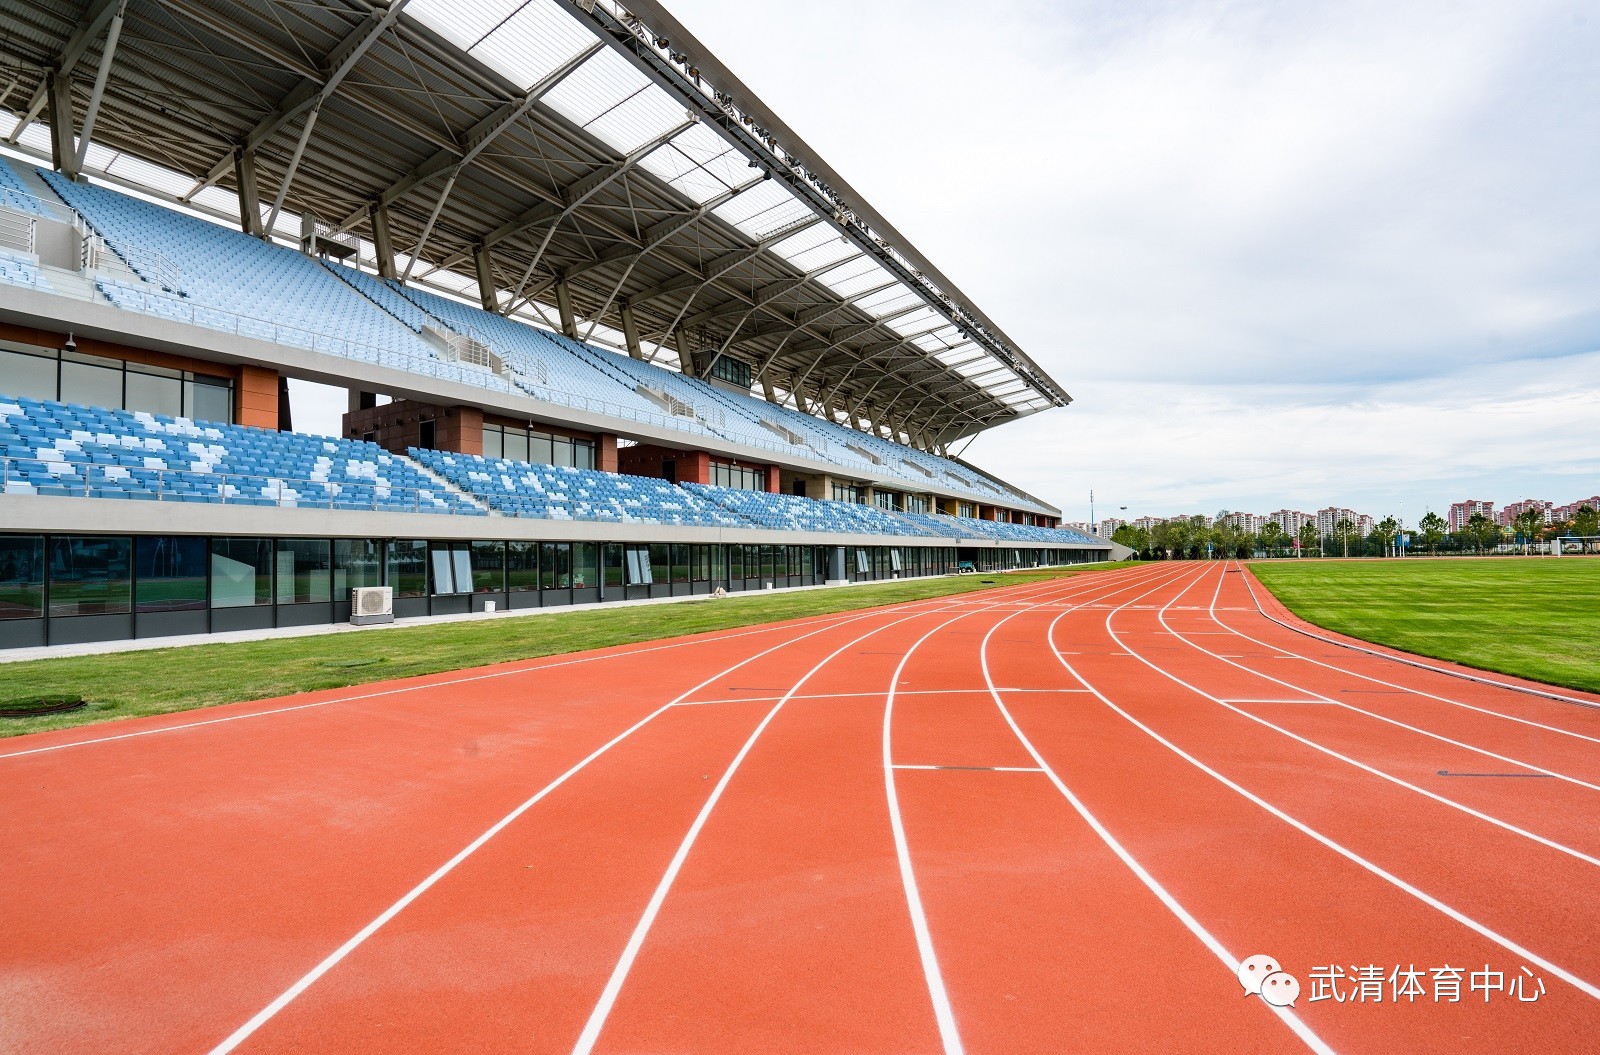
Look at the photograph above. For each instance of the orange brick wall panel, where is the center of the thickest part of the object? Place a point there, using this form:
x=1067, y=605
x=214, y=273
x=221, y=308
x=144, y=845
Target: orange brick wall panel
x=255, y=396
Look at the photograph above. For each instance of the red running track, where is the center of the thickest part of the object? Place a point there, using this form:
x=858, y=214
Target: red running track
x=1045, y=818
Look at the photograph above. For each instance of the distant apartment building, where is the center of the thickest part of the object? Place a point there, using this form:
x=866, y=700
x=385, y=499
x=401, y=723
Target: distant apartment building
x=1108, y=525
x=1291, y=521
x=1509, y=514
x=1329, y=517
x=1244, y=521
x=1148, y=523
x=1461, y=512
x=1570, y=510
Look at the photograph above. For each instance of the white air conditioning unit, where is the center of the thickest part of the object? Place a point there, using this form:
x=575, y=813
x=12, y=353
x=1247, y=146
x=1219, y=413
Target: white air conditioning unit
x=371, y=604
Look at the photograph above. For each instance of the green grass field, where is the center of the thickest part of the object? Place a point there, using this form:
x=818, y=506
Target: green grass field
x=122, y=685
x=1535, y=618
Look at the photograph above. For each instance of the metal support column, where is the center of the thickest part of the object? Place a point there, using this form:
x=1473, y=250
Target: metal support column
x=62, y=155
x=630, y=331
x=685, y=360
x=483, y=263
x=382, y=243
x=569, y=322
x=244, y=175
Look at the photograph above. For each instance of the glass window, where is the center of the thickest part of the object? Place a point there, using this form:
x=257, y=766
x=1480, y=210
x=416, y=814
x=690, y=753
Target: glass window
x=488, y=567
x=171, y=573
x=494, y=441
x=408, y=567
x=539, y=449
x=583, y=452
x=153, y=389
x=89, y=575
x=680, y=562
x=27, y=375
x=516, y=444
x=522, y=565
x=719, y=564
x=21, y=571
x=585, y=572
x=555, y=565
x=355, y=564
x=639, y=571
x=561, y=449
x=661, y=561
x=305, y=573
x=614, y=565
x=208, y=398
x=735, y=562
x=702, y=564
x=88, y=380
x=241, y=572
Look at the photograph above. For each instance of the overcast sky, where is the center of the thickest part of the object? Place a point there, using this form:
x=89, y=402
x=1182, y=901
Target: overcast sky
x=1279, y=253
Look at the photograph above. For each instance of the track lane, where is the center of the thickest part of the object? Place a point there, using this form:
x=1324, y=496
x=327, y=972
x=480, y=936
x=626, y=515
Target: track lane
x=1047, y=940
x=1264, y=880
x=179, y=851
x=787, y=906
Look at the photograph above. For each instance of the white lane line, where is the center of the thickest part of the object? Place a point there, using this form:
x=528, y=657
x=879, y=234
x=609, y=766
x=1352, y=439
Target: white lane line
x=975, y=769
x=310, y=977
x=866, y=695
x=1406, y=690
x=1392, y=721
x=1348, y=854
x=619, y=974
x=944, y=1015
x=1370, y=769
x=1288, y=1017
x=1412, y=662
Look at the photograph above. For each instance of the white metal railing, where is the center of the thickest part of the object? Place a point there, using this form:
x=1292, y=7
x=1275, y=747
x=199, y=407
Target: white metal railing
x=22, y=201
x=177, y=485
x=18, y=230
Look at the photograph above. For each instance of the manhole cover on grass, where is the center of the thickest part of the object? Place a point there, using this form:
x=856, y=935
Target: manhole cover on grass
x=31, y=706
x=353, y=662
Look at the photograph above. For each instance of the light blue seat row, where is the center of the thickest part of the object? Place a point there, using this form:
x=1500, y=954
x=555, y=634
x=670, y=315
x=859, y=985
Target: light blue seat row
x=794, y=513
x=21, y=269
x=559, y=492
x=68, y=449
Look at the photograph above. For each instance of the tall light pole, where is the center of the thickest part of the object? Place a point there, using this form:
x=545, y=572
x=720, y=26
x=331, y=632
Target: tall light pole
x=1094, y=527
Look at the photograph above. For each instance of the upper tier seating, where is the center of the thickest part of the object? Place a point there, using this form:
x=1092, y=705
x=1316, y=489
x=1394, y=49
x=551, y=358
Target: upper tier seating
x=197, y=271
x=66, y=449
x=561, y=492
x=548, y=367
x=793, y=513
x=17, y=194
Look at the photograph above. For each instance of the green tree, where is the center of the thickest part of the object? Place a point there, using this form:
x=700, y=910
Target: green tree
x=1309, y=539
x=1272, y=538
x=1482, y=531
x=1530, y=525
x=1384, y=532
x=1344, y=530
x=1586, y=521
x=1433, y=529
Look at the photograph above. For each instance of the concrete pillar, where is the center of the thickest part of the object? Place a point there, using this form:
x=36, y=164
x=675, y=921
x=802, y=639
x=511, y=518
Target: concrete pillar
x=685, y=360
x=766, y=390
x=244, y=176
x=569, y=322
x=63, y=150
x=836, y=565
x=381, y=241
x=630, y=331
x=484, y=265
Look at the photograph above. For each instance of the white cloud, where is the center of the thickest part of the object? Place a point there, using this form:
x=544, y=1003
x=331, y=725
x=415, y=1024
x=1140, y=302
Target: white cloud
x=1308, y=233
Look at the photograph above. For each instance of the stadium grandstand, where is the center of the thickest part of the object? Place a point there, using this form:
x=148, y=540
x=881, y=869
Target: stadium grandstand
x=609, y=328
